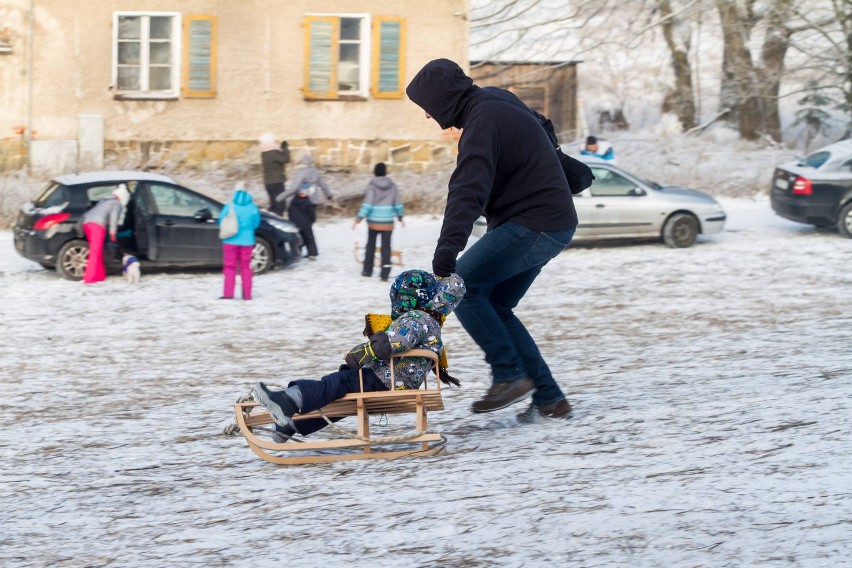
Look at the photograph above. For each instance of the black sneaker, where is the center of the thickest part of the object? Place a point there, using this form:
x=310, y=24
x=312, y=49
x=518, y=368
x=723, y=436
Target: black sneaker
x=279, y=404
x=501, y=395
x=560, y=409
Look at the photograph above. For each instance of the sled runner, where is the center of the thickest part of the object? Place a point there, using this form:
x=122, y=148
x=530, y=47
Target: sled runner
x=362, y=405
x=358, y=253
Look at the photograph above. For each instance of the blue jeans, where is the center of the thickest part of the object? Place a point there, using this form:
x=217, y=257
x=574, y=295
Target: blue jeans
x=498, y=270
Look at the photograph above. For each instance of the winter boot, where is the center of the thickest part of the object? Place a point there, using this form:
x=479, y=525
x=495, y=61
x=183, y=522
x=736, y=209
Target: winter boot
x=559, y=409
x=501, y=395
x=279, y=404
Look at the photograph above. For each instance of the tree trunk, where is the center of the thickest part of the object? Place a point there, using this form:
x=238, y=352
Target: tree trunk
x=775, y=45
x=844, y=16
x=683, y=100
x=739, y=91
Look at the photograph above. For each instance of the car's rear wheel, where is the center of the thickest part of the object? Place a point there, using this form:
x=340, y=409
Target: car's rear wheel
x=844, y=221
x=71, y=260
x=262, y=256
x=680, y=231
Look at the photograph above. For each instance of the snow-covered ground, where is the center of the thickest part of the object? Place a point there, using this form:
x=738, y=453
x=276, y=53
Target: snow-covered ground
x=711, y=387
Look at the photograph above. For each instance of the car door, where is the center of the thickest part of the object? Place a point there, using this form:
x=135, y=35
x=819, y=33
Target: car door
x=184, y=225
x=143, y=223
x=619, y=206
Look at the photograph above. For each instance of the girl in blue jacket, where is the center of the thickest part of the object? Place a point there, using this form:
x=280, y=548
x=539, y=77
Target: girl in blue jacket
x=237, y=250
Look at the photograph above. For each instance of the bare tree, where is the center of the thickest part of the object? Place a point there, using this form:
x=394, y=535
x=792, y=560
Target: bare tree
x=768, y=47
x=677, y=32
x=825, y=44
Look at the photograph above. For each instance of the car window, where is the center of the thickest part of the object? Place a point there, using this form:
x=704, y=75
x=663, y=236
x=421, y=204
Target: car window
x=815, y=160
x=171, y=200
x=54, y=194
x=97, y=192
x=608, y=183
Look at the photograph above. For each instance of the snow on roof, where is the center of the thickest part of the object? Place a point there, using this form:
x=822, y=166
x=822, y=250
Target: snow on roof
x=112, y=175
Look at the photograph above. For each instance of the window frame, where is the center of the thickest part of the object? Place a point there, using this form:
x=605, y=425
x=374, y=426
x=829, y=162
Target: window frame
x=365, y=57
x=176, y=57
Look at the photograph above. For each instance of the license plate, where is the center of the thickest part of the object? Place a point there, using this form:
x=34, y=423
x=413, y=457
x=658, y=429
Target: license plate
x=782, y=183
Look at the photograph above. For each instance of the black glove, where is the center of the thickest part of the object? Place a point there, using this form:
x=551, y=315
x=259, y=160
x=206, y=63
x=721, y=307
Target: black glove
x=443, y=263
x=360, y=356
x=378, y=348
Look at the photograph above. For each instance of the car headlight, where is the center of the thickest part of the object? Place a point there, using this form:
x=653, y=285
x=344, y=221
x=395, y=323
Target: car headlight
x=283, y=226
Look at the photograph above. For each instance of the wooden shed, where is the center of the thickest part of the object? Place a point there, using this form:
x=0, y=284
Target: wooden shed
x=548, y=87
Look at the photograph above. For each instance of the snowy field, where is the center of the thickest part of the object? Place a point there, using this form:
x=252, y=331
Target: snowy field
x=712, y=427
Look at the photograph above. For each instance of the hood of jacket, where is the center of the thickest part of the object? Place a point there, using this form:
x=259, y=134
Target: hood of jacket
x=443, y=90
x=242, y=197
x=382, y=183
x=420, y=290
x=306, y=161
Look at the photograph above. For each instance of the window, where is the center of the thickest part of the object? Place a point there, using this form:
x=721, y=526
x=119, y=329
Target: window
x=610, y=184
x=54, y=194
x=340, y=54
x=146, y=54
x=199, y=57
x=171, y=200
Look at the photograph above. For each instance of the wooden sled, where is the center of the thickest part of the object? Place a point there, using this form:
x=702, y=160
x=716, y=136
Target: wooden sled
x=362, y=405
x=358, y=253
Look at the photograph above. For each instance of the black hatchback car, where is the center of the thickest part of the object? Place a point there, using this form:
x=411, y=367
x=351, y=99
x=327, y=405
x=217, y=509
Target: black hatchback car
x=817, y=190
x=164, y=225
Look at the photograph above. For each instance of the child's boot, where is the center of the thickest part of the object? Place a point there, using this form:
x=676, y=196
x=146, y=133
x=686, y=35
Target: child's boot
x=280, y=404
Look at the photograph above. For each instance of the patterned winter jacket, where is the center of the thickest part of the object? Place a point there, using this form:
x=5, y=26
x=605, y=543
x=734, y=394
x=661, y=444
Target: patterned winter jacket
x=417, y=329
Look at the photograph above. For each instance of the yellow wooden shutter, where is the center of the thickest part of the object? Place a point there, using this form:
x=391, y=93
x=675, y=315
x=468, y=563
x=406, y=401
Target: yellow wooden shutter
x=387, y=80
x=322, y=36
x=199, y=57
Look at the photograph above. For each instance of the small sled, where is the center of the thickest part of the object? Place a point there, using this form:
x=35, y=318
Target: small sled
x=250, y=415
x=358, y=252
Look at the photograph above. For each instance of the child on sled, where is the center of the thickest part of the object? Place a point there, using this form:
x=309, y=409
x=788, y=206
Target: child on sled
x=419, y=303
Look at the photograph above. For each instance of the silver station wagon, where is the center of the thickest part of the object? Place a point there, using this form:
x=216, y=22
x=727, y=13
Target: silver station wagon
x=620, y=205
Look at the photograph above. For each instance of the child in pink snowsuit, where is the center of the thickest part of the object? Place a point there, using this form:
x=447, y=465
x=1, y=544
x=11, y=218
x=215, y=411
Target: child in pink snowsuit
x=237, y=250
x=104, y=215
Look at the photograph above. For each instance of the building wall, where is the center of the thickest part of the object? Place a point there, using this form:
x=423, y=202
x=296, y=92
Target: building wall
x=261, y=51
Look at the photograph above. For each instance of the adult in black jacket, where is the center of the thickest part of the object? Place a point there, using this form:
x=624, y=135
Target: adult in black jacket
x=507, y=170
x=274, y=159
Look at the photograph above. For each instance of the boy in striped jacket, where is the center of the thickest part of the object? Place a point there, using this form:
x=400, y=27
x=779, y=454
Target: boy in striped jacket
x=381, y=204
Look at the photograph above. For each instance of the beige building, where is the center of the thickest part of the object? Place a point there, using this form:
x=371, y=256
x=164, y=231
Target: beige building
x=148, y=83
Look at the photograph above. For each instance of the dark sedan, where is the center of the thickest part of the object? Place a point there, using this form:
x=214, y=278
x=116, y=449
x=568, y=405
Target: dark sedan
x=817, y=190
x=164, y=224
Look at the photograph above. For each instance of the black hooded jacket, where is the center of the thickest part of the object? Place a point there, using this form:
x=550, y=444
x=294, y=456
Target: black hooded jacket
x=506, y=169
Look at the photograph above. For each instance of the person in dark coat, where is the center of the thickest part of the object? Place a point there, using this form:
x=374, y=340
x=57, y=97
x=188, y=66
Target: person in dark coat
x=305, y=187
x=507, y=169
x=419, y=303
x=274, y=158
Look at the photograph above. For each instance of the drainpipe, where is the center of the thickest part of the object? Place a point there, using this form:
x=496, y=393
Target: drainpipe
x=30, y=87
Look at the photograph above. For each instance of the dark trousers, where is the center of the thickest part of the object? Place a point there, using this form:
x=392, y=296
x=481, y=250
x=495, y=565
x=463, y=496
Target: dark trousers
x=303, y=213
x=316, y=394
x=370, y=252
x=274, y=190
x=309, y=241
